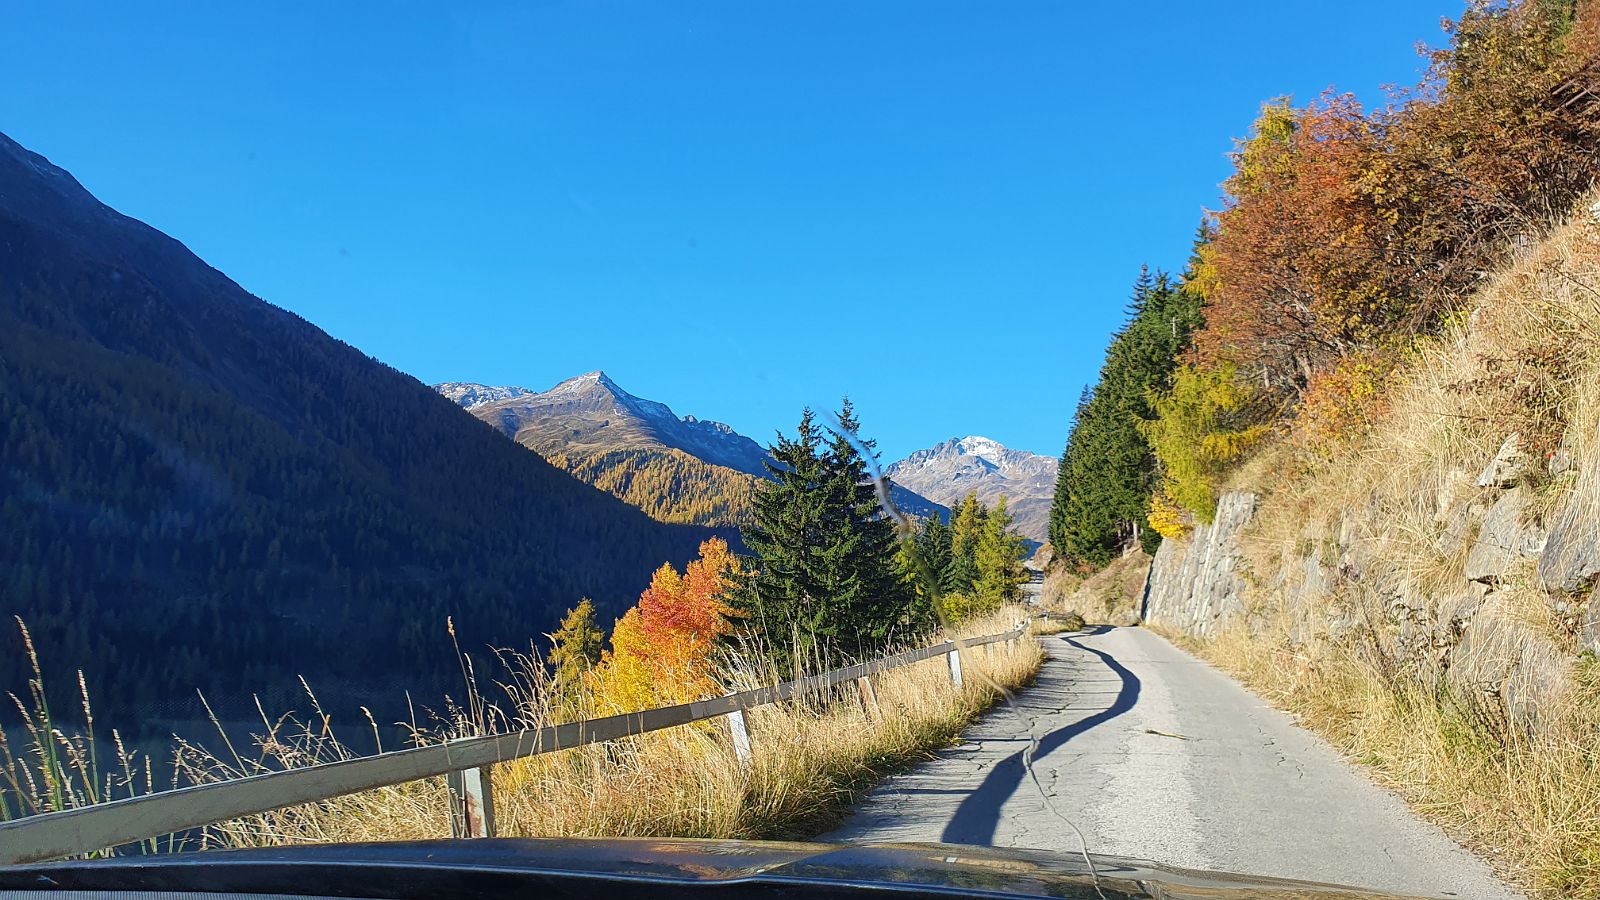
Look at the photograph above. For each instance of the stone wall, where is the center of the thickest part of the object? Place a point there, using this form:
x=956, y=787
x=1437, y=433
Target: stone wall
x=1523, y=535
x=1195, y=585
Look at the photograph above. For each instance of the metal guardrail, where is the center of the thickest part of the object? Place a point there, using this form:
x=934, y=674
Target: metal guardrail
x=466, y=762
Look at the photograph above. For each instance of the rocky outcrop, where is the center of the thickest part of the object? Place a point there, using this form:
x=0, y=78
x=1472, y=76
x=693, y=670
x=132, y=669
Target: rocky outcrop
x=1195, y=585
x=1571, y=557
x=1504, y=538
x=1459, y=621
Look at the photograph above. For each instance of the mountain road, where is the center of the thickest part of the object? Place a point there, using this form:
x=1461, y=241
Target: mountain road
x=1153, y=754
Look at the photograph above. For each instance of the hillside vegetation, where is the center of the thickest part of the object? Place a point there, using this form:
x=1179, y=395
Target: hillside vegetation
x=203, y=491
x=669, y=485
x=1390, y=383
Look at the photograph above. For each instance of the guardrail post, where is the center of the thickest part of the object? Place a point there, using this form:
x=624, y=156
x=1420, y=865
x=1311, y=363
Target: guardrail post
x=869, y=698
x=740, y=730
x=471, y=803
x=955, y=665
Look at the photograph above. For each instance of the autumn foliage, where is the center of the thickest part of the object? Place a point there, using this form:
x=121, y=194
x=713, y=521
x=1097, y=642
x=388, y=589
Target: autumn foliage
x=661, y=649
x=1348, y=232
x=1344, y=227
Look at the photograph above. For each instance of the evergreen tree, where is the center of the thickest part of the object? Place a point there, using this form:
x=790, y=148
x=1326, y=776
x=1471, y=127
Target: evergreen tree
x=865, y=597
x=826, y=575
x=1108, y=470
x=576, y=647
x=999, y=555
x=966, y=526
x=933, y=543
x=774, y=600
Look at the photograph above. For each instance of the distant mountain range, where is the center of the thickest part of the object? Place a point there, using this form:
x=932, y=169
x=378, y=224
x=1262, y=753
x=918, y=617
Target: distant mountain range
x=947, y=472
x=202, y=491
x=677, y=469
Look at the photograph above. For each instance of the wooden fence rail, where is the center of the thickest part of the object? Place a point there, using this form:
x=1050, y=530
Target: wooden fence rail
x=466, y=762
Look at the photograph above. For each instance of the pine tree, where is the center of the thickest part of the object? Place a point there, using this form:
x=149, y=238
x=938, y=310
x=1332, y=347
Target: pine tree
x=576, y=647
x=933, y=545
x=999, y=555
x=1108, y=470
x=774, y=601
x=866, y=599
x=826, y=575
x=966, y=526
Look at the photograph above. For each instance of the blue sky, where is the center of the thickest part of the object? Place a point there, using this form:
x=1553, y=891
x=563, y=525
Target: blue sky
x=736, y=208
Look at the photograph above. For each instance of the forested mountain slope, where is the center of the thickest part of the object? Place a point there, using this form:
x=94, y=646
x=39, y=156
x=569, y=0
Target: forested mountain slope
x=681, y=470
x=205, y=491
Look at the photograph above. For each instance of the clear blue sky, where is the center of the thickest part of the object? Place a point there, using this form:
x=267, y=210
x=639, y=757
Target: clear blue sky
x=737, y=208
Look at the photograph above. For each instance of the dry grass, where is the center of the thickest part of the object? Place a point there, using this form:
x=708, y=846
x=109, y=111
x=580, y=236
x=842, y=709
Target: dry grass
x=1110, y=594
x=1367, y=659
x=1529, y=803
x=811, y=758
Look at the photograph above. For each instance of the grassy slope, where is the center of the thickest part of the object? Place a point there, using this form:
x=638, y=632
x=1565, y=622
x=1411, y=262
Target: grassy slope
x=1526, y=360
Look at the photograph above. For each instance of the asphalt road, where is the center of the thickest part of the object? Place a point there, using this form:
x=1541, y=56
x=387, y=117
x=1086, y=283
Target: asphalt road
x=1153, y=754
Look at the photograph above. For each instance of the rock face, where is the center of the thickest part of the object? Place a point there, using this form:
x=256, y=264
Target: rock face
x=1353, y=582
x=1503, y=539
x=1195, y=586
x=1571, y=556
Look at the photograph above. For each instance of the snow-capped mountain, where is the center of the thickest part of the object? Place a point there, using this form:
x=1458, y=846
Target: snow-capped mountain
x=472, y=396
x=591, y=415
x=947, y=472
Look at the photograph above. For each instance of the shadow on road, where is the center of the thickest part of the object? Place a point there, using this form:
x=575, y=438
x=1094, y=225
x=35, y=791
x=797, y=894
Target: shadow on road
x=978, y=816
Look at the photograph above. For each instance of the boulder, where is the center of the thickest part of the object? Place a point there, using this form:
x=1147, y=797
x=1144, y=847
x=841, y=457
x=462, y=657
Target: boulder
x=1458, y=520
x=1508, y=465
x=1503, y=539
x=1571, y=557
x=1456, y=611
x=1507, y=668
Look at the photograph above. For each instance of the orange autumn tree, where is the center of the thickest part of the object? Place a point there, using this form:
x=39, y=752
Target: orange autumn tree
x=661, y=649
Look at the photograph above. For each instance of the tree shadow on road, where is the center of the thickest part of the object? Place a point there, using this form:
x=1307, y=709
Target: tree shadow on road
x=978, y=816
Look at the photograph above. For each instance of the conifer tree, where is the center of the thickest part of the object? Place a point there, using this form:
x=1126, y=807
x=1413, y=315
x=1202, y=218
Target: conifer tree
x=933, y=543
x=774, y=599
x=1108, y=471
x=966, y=526
x=999, y=555
x=826, y=576
x=865, y=596
x=576, y=647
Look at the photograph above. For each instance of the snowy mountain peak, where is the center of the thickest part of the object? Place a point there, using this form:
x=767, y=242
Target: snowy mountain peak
x=593, y=413
x=983, y=448
x=946, y=472
x=471, y=396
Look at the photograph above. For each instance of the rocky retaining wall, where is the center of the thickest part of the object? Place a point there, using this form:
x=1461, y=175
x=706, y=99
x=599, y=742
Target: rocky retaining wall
x=1524, y=535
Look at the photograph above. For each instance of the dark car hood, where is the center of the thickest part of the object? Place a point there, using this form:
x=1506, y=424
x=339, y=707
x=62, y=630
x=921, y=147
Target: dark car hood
x=613, y=868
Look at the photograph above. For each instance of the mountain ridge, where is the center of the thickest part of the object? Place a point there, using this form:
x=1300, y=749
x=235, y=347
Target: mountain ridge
x=946, y=472
x=216, y=496
x=589, y=425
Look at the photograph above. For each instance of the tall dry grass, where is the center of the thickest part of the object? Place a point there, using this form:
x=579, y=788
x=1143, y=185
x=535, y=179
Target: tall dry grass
x=1528, y=802
x=1368, y=658
x=811, y=757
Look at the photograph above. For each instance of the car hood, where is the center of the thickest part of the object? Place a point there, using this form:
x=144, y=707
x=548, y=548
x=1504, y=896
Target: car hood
x=474, y=870
x=643, y=867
